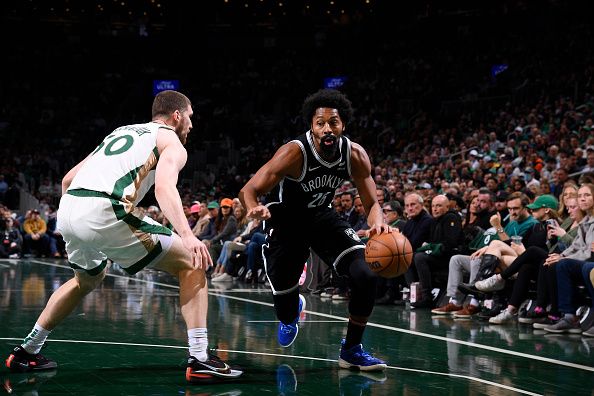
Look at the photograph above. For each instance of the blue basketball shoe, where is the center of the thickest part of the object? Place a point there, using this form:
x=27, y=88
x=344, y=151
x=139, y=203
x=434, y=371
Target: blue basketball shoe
x=286, y=380
x=288, y=333
x=356, y=357
x=359, y=383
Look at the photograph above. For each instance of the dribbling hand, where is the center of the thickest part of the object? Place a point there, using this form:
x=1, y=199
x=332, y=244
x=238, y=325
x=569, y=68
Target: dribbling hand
x=380, y=228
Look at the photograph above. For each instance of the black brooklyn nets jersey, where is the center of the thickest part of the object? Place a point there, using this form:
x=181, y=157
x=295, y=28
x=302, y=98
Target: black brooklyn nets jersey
x=319, y=179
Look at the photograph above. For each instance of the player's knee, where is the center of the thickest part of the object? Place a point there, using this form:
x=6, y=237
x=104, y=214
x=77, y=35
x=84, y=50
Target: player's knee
x=195, y=275
x=361, y=273
x=497, y=245
x=454, y=260
x=87, y=283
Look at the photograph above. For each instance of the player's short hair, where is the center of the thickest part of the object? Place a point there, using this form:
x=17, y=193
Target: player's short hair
x=330, y=98
x=166, y=102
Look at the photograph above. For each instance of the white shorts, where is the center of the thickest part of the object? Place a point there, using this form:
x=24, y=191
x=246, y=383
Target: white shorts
x=96, y=228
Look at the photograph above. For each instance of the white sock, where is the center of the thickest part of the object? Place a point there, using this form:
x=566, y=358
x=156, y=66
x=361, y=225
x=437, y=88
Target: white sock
x=453, y=301
x=474, y=302
x=34, y=341
x=198, y=342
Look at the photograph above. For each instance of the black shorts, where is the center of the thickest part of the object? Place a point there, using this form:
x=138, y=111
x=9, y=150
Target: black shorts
x=291, y=234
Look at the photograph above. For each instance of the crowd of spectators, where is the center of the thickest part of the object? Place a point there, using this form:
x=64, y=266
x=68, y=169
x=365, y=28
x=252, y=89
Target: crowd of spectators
x=419, y=102
x=449, y=138
x=31, y=233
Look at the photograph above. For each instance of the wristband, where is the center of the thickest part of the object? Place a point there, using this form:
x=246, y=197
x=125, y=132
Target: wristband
x=500, y=230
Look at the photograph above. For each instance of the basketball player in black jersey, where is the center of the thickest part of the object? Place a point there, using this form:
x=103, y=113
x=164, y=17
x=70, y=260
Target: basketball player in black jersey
x=305, y=173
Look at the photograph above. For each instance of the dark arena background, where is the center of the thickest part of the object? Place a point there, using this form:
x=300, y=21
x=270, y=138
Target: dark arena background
x=462, y=99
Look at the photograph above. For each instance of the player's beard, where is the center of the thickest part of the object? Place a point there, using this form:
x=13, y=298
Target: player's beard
x=328, y=150
x=182, y=138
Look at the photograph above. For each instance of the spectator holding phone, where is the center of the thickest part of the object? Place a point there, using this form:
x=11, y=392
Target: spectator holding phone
x=527, y=263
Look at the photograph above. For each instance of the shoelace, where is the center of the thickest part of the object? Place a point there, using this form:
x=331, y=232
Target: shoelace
x=363, y=354
x=286, y=329
x=366, y=356
x=212, y=355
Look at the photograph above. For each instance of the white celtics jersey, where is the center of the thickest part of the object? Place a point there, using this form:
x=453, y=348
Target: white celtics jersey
x=123, y=165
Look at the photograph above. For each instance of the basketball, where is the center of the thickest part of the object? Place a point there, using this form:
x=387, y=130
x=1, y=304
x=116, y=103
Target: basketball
x=388, y=254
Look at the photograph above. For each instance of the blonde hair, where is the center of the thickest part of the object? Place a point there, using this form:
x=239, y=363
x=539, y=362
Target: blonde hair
x=243, y=220
x=562, y=209
x=582, y=213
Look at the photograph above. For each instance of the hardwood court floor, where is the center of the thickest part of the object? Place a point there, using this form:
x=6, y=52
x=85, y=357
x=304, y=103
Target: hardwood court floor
x=128, y=338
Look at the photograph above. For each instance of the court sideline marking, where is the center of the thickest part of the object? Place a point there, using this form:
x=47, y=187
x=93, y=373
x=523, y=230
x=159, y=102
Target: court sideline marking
x=461, y=376
x=301, y=321
x=371, y=324
x=435, y=337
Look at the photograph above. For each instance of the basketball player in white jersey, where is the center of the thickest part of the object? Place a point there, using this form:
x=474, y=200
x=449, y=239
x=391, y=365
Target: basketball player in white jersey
x=99, y=221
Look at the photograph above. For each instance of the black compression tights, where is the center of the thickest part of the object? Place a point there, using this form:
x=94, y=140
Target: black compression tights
x=362, y=282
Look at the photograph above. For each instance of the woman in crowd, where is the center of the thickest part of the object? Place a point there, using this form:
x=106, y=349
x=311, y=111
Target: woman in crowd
x=220, y=229
x=571, y=263
x=570, y=190
x=241, y=224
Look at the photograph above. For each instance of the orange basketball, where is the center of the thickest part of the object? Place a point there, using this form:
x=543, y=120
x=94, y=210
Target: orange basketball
x=388, y=254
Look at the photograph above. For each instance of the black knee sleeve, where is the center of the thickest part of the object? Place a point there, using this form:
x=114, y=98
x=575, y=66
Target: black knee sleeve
x=362, y=281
